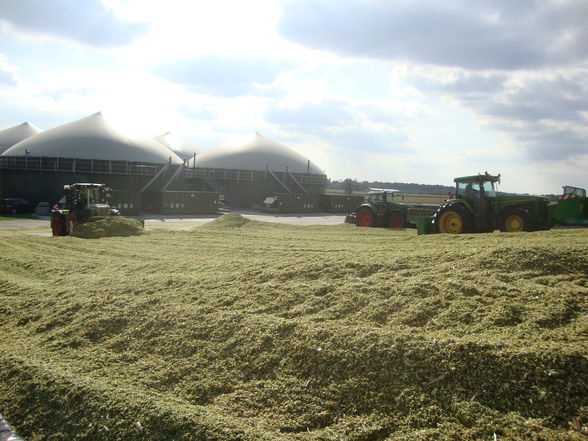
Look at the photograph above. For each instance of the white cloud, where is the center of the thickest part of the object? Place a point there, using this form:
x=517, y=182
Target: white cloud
x=8, y=76
x=185, y=29
x=544, y=112
x=223, y=75
x=87, y=22
x=457, y=33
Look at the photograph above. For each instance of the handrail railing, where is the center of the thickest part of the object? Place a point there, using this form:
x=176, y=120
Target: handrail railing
x=39, y=163
x=56, y=164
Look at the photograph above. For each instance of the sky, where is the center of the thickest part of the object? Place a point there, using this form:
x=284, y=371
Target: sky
x=388, y=90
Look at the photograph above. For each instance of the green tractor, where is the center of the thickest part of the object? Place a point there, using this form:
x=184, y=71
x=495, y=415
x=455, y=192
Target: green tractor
x=380, y=210
x=82, y=201
x=478, y=207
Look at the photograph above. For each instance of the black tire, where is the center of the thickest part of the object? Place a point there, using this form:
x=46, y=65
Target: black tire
x=365, y=217
x=453, y=219
x=513, y=220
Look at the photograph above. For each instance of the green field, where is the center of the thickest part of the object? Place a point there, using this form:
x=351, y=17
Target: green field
x=241, y=330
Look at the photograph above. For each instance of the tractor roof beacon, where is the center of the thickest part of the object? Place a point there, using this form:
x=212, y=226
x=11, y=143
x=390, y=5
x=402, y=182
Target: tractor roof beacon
x=477, y=207
x=82, y=201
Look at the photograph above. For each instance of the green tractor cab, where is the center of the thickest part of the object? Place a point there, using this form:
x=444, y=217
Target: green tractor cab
x=82, y=202
x=381, y=210
x=477, y=207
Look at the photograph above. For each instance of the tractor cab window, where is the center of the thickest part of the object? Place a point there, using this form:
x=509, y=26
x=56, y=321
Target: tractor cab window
x=489, y=189
x=468, y=190
x=376, y=198
x=93, y=195
x=579, y=192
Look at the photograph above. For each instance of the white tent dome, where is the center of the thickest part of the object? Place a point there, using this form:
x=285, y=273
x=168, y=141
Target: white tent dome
x=152, y=143
x=91, y=138
x=180, y=147
x=13, y=135
x=258, y=153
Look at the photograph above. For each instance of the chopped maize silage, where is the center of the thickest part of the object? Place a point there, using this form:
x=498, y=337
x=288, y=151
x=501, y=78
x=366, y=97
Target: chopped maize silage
x=108, y=226
x=248, y=330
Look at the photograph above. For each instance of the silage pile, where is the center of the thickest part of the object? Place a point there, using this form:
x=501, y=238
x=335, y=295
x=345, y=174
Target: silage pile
x=230, y=220
x=108, y=226
x=252, y=331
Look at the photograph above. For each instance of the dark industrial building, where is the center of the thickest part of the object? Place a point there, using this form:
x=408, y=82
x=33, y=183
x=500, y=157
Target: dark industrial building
x=163, y=174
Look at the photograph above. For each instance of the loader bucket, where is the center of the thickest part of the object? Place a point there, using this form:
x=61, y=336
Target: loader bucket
x=424, y=225
x=571, y=211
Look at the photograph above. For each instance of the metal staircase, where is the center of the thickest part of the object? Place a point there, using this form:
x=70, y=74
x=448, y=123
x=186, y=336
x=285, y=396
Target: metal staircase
x=298, y=184
x=178, y=172
x=159, y=174
x=228, y=197
x=279, y=181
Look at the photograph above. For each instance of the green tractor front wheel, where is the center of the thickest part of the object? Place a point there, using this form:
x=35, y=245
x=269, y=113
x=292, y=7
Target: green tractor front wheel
x=365, y=218
x=396, y=220
x=453, y=220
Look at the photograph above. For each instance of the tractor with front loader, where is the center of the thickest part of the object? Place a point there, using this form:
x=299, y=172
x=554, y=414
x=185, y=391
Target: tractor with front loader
x=381, y=210
x=82, y=201
x=477, y=207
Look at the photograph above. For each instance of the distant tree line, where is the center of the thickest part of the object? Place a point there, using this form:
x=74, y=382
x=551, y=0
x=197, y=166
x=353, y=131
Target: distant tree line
x=351, y=185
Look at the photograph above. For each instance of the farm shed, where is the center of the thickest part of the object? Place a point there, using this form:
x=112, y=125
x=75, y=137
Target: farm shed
x=13, y=135
x=245, y=174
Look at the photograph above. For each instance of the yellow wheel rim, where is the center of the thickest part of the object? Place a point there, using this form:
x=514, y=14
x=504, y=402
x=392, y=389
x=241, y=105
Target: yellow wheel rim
x=514, y=223
x=451, y=222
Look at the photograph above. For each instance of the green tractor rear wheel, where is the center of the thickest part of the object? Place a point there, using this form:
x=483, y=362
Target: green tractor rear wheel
x=513, y=221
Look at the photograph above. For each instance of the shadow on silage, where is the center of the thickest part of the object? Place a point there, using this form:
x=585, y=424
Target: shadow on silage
x=542, y=260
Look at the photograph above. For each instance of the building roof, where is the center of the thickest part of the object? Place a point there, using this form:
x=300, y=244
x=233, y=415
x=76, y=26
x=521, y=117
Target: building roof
x=259, y=153
x=180, y=147
x=91, y=138
x=15, y=134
